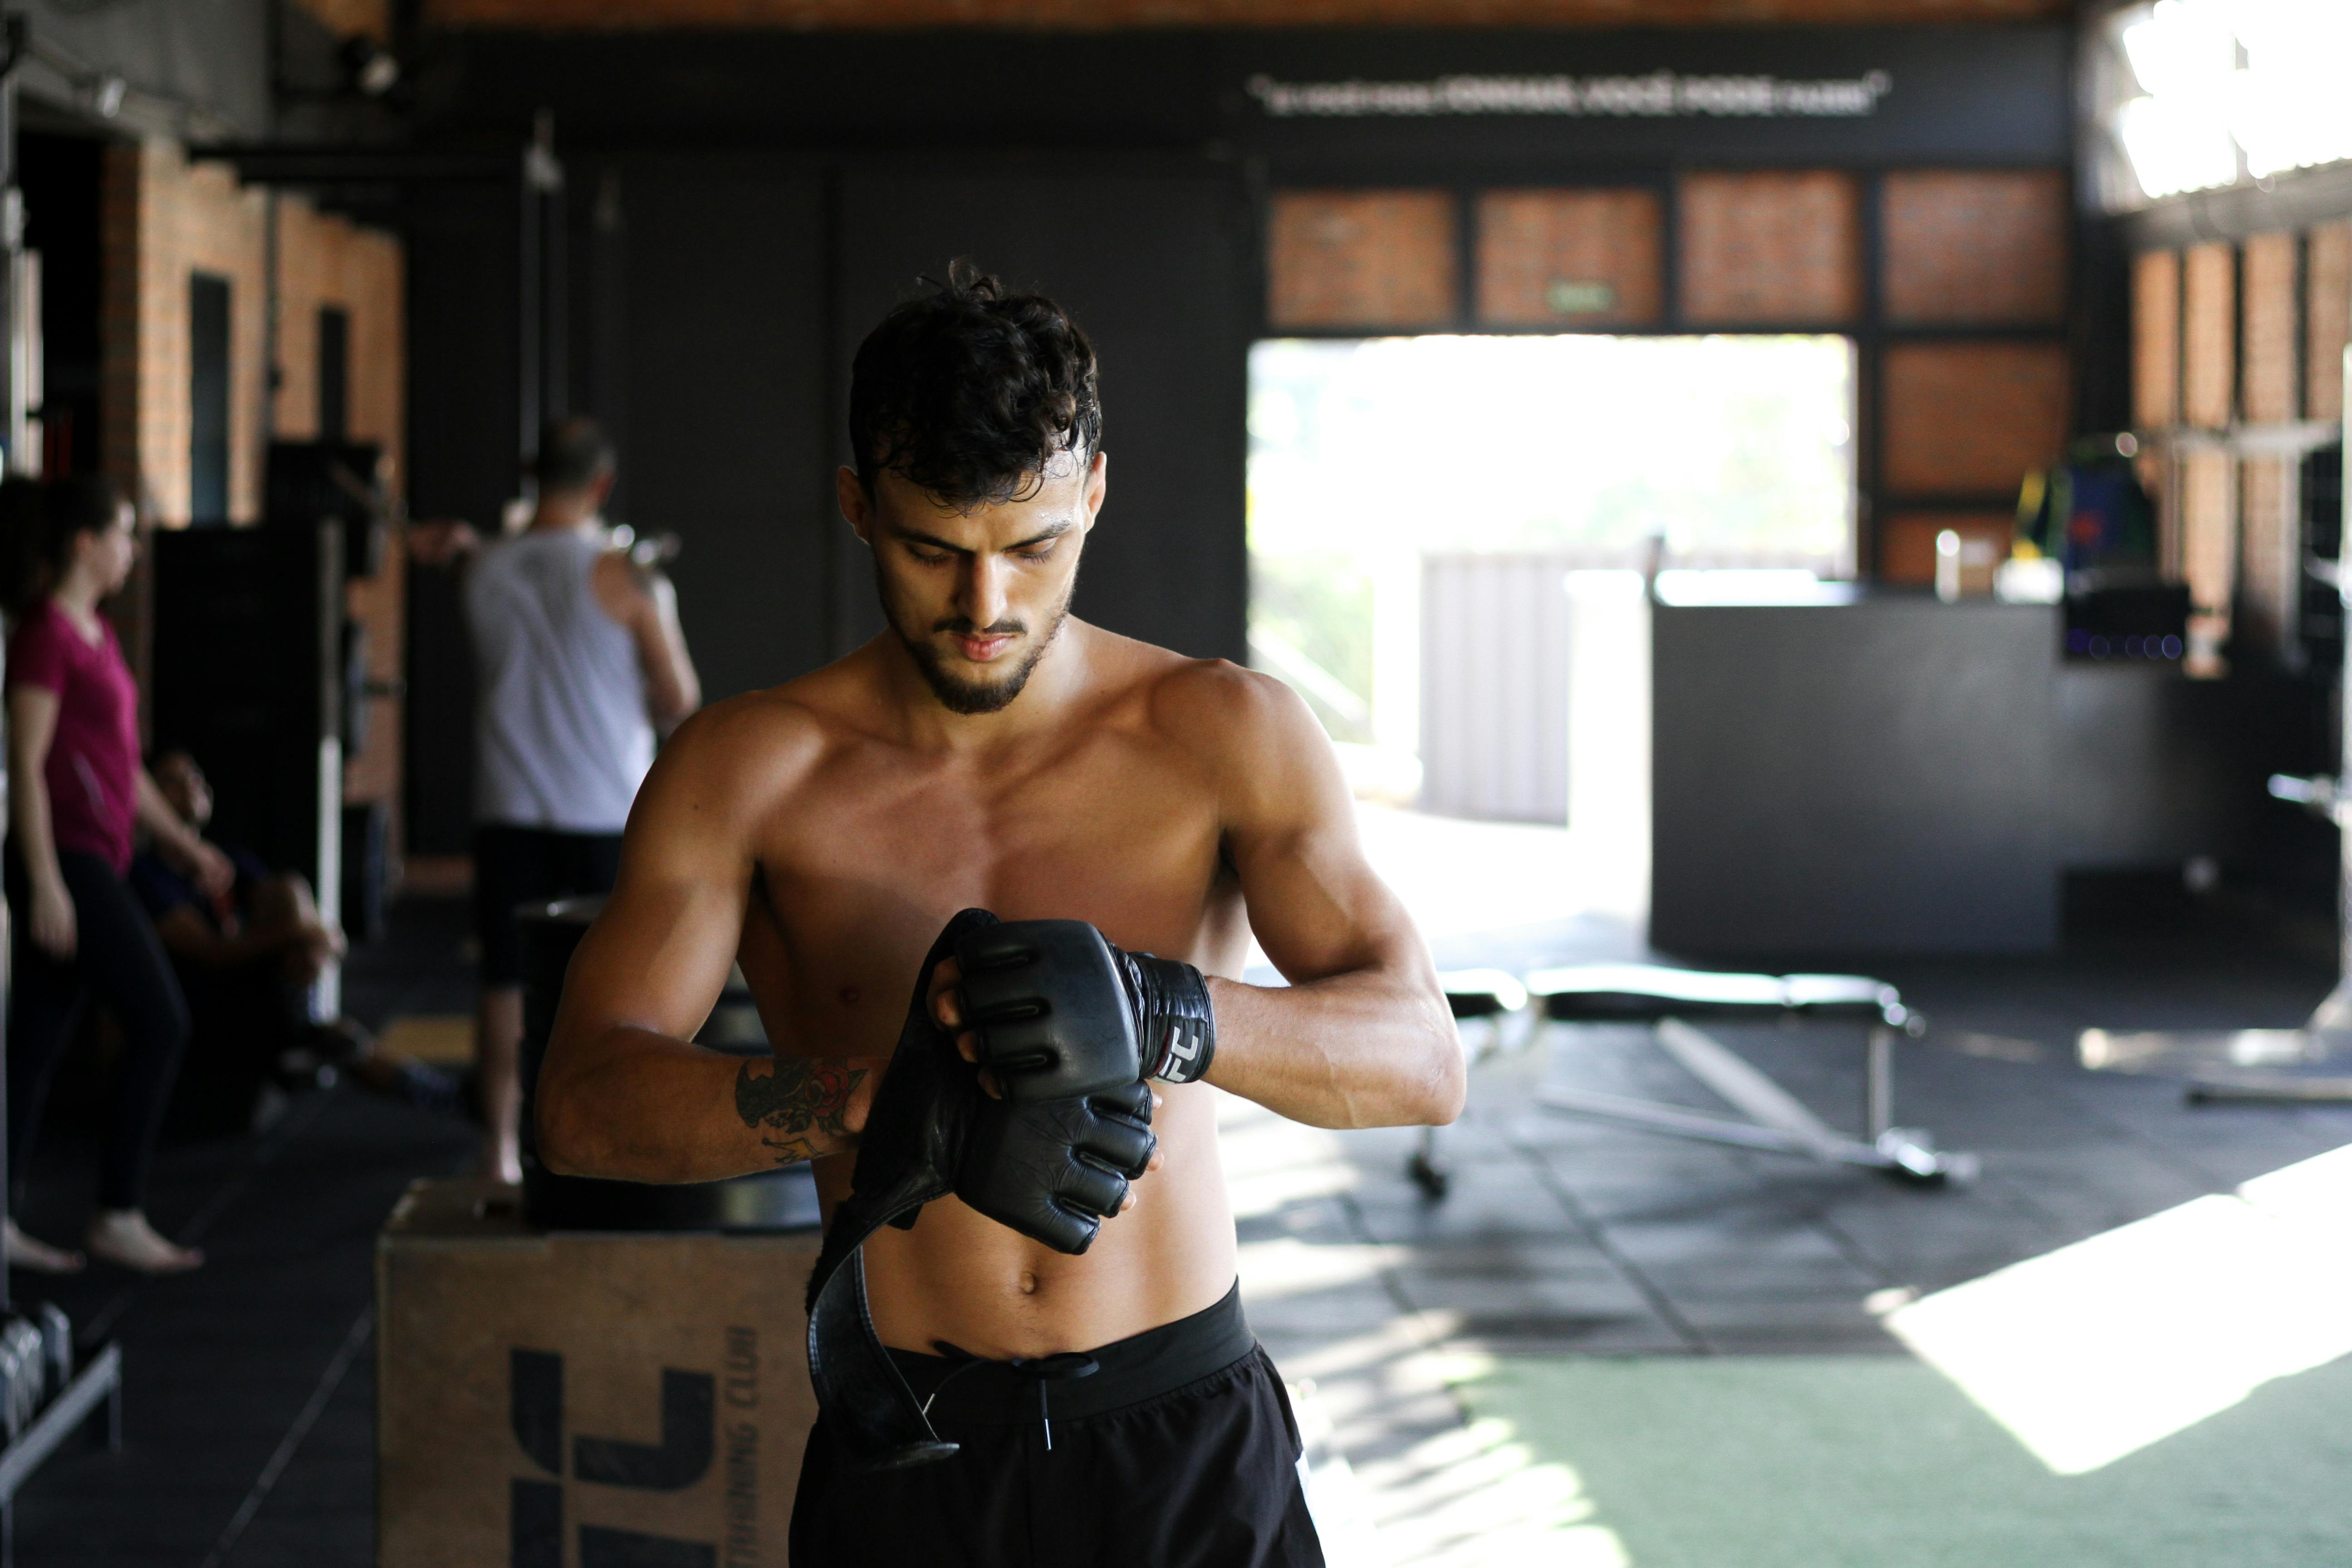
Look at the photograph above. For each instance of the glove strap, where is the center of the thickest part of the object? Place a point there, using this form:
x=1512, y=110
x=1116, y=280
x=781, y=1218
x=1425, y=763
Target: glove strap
x=1175, y=1026
x=860, y=1395
x=874, y=1414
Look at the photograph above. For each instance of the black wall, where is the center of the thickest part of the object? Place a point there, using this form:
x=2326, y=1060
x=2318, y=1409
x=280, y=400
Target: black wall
x=1978, y=94
x=464, y=453
x=744, y=206
x=726, y=425
x=1153, y=262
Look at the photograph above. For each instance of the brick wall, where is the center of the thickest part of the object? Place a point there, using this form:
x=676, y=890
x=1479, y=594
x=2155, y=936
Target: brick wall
x=2327, y=271
x=2208, y=556
x=1362, y=258
x=323, y=259
x=1571, y=259
x=1967, y=248
x=2156, y=338
x=2268, y=383
x=1970, y=418
x=2254, y=334
x=2268, y=549
x=2209, y=335
x=163, y=220
x=1776, y=248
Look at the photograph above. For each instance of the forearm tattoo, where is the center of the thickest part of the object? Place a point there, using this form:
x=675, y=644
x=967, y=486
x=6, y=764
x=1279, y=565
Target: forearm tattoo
x=797, y=1101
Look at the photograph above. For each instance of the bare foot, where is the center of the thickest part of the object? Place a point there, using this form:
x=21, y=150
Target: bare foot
x=123, y=1236
x=37, y=1256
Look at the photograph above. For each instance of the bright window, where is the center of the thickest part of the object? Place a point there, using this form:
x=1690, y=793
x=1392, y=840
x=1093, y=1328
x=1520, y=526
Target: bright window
x=1367, y=455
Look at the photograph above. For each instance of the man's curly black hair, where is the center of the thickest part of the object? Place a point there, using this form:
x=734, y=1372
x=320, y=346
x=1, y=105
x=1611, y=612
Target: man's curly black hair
x=968, y=391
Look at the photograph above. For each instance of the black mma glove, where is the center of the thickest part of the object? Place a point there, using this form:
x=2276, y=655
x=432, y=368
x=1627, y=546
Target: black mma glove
x=1061, y=1012
x=1054, y=1169
x=1049, y=1170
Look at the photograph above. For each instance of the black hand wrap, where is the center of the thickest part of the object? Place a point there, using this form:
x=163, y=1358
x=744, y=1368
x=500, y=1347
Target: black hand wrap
x=1049, y=1169
x=1061, y=1012
x=1176, y=1025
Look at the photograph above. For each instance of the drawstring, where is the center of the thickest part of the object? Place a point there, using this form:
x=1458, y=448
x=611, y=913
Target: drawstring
x=1059, y=1367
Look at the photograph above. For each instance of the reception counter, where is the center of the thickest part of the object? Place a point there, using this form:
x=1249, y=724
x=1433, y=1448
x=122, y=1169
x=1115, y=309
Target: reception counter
x=1885, y=773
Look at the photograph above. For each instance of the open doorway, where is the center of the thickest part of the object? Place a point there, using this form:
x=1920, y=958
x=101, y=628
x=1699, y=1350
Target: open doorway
x=1430, y=520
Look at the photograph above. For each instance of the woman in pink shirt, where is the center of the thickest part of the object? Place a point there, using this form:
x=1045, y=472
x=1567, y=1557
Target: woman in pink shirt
x=79, y=790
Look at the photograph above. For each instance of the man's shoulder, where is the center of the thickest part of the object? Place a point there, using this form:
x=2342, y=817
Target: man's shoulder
x=767, y=740
x=751, y=734
x=1211, y=705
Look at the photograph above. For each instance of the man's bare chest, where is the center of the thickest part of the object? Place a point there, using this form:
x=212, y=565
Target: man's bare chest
x=855, y=884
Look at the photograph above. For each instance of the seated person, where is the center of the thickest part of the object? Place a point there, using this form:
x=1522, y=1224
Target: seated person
x=247, y=960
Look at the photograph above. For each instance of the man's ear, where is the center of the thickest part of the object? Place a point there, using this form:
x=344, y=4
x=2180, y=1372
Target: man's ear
x=1098, y=487
x=856, y=504
x=603, y=485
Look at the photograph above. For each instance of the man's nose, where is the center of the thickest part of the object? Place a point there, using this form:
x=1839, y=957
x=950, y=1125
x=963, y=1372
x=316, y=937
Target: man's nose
x=984, y=601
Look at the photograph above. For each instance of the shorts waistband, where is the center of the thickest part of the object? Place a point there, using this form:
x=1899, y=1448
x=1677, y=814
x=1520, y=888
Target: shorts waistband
x=1074, y=1384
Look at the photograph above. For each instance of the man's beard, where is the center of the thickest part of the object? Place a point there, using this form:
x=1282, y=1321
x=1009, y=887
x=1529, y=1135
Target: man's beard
x=958, y=695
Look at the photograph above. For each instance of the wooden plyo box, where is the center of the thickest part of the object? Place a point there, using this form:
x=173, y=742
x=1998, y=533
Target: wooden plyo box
x=585, y=1399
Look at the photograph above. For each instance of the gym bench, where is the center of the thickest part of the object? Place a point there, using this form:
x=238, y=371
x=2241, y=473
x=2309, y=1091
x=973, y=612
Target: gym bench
x=1771, y=1119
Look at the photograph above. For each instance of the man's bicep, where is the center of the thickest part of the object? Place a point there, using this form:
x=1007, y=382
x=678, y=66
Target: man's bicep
x=1315, y=904
x=658, y=955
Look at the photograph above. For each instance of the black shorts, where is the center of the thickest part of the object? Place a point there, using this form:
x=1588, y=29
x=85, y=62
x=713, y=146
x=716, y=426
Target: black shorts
x=1179, y=1452
x=516, y=866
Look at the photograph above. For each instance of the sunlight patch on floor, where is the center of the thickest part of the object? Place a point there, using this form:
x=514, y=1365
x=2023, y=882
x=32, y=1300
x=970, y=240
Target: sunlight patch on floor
x=2100, y=1349
x=1478, y=1497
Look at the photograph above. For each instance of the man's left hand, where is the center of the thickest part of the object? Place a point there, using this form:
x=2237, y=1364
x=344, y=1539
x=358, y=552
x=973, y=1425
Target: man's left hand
x=213, y=873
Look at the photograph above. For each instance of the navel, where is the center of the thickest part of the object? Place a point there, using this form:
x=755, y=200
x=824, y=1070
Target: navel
x=849, y=994
x=1028, y=1283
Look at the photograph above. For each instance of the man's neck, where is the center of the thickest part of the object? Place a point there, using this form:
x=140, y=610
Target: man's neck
x=558, y=512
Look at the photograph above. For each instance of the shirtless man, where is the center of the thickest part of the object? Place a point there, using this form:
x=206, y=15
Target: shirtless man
x=988, y=749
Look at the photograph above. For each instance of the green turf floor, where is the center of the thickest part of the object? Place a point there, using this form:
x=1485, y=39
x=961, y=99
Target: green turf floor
x=1879, y=1462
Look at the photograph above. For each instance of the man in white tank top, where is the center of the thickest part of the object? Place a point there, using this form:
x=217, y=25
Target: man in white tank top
x=579, y=661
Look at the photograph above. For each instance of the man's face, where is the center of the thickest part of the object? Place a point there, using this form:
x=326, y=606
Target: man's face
x=977, y=596
x=185, y=787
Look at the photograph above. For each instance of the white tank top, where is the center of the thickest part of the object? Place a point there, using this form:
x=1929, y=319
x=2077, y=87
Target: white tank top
x=562, y=738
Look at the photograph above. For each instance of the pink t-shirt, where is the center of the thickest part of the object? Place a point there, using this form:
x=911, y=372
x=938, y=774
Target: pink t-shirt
x=93, y=767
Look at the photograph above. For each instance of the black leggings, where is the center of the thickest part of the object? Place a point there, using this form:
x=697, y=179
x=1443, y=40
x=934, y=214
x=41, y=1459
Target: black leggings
x=116, y=954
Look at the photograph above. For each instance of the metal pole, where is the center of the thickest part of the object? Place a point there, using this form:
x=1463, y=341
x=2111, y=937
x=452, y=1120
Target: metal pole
x=541, y=299
x=555, y=295
x=1878, y=1083
x=527, y=312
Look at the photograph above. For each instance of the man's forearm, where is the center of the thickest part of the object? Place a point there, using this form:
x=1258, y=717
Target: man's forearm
x=1364, y=1049
x=636, y=1106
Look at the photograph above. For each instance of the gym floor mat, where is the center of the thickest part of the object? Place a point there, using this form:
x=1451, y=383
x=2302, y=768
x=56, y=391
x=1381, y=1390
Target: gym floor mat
x=1879, y=1462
